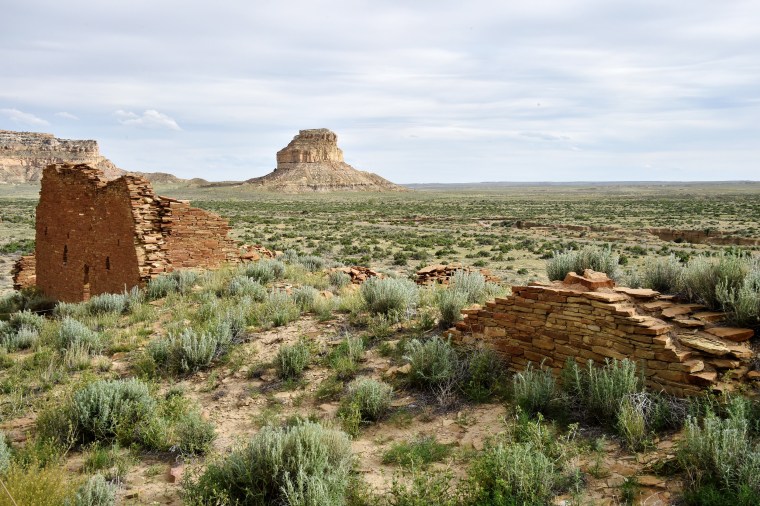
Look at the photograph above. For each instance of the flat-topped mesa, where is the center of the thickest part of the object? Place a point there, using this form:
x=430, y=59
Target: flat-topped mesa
x=312, y=162
x=311, y=146
x=24, y=155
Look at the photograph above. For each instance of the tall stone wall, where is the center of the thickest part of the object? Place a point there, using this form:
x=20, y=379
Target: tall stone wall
x=96, y=236
x=84, y=234
x=679, y=346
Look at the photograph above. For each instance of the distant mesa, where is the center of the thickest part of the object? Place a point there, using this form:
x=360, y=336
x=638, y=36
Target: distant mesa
x=24, y=155
x=313, y=162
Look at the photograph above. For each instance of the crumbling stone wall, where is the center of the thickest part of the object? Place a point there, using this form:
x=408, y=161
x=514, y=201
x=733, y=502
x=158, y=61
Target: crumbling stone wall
x=194, y=237
x=550, y=323
x=96, y=236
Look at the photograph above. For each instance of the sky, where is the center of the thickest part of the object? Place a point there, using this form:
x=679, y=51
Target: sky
x=418, y=91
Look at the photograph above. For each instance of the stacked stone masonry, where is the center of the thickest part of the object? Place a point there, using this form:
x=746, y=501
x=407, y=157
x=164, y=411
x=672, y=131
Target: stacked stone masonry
x=98, y=236
x=680, y=347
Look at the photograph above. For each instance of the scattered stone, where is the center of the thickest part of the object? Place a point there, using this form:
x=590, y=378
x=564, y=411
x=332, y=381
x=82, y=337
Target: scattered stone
x=441, y=273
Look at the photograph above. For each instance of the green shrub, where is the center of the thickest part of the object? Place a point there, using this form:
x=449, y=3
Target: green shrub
x=280, y=309
x=742, y=304
x=301, y=465
x=304, y=297
x=383, y=296
x=312, y=263
x=265, y=271
x=663, y=274
x=26, y=319
x=426, y=487
x=107, y=409
x=719, y=453
x=450, y=304
x=161, y=286
x=420, y=451
x=372, y=397
x=600, y=391
x=632, y=423
x=433, y=362
x=37, y=485
x=22, y=339
x=343, y=360
x=107, y=303
x=590, y=257
x=73, y=332
x=245, y=286
x=528, y=467
x=193, y=434
x=535, y=391
x=292, y=360
x=339, y=279
x=96, y=492
x=5, y=454
x=485, y=375
x=193, y=350
x=702, y=276
x=471, y=284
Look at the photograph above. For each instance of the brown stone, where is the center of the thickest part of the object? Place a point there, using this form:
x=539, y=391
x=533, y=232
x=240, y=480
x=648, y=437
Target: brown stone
x=734, y=334
x=589, y=279
x=638, y=293
x=709, y=346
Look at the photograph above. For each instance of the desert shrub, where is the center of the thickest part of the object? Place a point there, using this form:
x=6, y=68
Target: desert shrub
x=344, y=359
x=433, y=362
x=742, y=304
x=301, y=465
x=599, y=391
x=193, y=350
x=37, y=485
x=589, y=257
x=107, y=303
x=292, y=360
x=22, y=339
x=73, y=331
x=450, y=304
x=161, y=286
x=718, y=453
x=279, y=308
x=339, y=279
x=5, y=454
x=470, y=284
x=632, y=423
x=372, y=397
x=535, y=390
x=265, y=271
x=702, y=275
x=193, y=435
x=528, y=467
x=304, y=297
x=383, y=296
x=107, y=409
x=245, y=286
x=426, y=487
x=485, y=375
x=26, y=319
x=96, y=492
x=312, y=263
x=663, y=274
x=422, y=450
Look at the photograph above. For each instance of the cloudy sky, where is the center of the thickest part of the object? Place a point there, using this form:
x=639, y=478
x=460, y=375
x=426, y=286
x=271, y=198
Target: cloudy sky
x=417, y=91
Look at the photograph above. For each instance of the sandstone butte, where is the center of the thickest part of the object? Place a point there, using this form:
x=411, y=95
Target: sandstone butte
x=313, y=162
x=24, y=155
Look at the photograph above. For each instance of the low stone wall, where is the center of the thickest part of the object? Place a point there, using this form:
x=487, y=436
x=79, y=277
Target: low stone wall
x=679, y=347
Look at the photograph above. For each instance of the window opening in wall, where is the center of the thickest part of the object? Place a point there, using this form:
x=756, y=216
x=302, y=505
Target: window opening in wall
x=108, y=263
x=65, y=254
x=45, y=230
x=86, y=283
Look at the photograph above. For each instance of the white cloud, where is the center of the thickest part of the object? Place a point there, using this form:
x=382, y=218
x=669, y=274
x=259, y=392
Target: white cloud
x=150, y=118
x=66, y=115
x=24, y=118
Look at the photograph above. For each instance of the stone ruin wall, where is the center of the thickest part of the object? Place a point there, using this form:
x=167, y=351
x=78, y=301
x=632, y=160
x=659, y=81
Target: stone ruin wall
x=679, y=347
x=84, y=234
x=95, y=236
